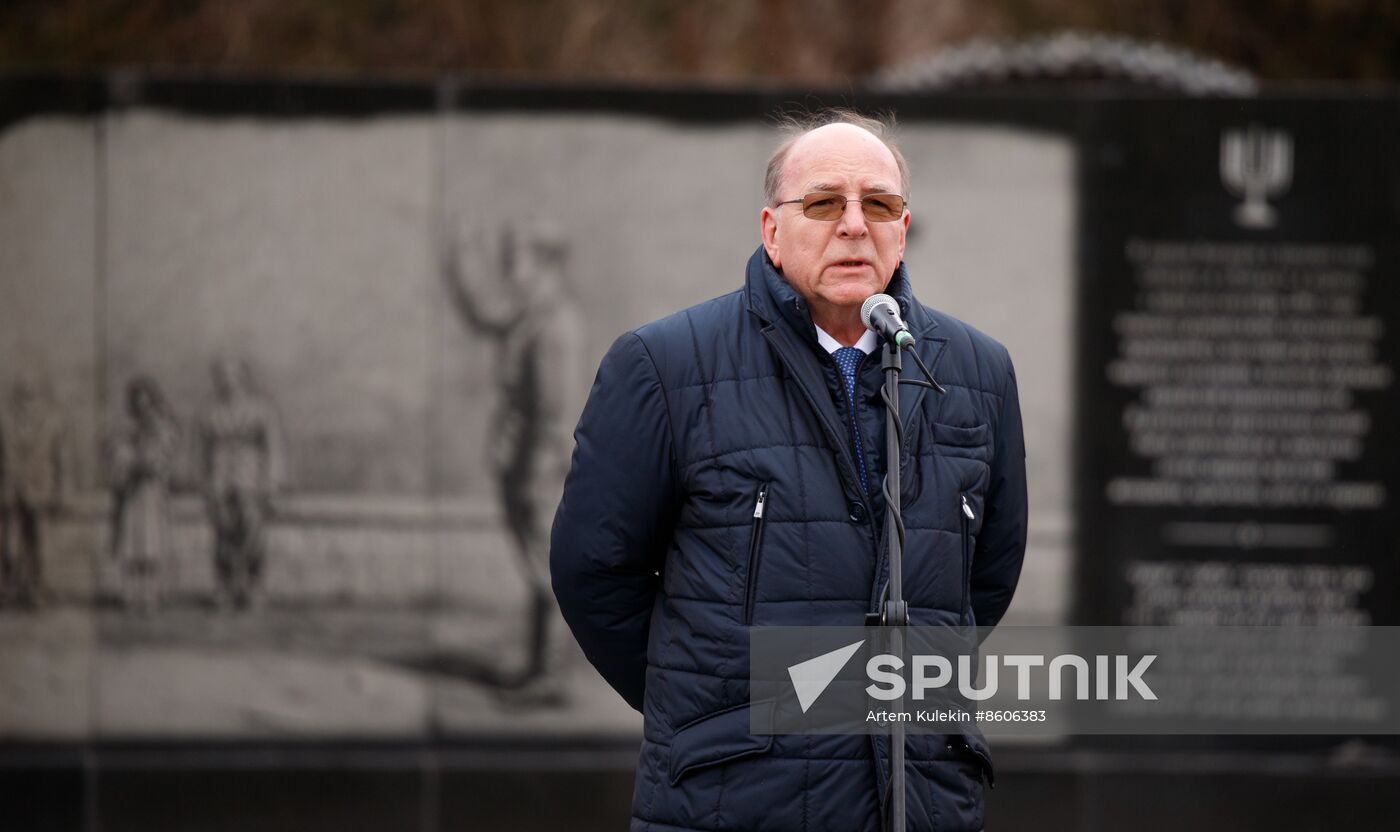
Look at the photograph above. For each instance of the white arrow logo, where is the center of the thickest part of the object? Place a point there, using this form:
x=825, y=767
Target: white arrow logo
x=811, y=677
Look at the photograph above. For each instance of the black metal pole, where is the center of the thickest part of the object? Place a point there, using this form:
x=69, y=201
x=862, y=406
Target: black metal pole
x=895, y=615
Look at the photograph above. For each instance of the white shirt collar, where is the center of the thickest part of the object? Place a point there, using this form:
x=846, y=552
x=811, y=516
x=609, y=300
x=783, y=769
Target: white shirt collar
x=866, y=344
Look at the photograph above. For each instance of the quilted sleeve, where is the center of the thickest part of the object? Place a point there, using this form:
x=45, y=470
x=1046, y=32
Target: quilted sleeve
x=611, y=530
x=1001, y=547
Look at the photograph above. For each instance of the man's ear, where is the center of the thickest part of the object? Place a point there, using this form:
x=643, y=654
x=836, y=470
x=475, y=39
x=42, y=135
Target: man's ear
x=768, y=228
x=904, y=232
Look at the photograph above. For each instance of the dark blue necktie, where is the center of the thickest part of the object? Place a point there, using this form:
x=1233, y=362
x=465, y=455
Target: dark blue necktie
x=848, y=358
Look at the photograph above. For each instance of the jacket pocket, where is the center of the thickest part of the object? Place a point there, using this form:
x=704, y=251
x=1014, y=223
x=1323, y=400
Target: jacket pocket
x=954, y=440
x=716, y=738
x=975, y=745
x=760, y=511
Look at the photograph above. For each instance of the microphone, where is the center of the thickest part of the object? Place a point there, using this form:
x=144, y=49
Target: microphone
x=880, y=314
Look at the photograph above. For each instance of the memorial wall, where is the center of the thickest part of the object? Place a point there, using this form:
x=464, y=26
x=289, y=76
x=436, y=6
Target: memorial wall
x=1236, y=362
x=1197, y=294
x=308, y=284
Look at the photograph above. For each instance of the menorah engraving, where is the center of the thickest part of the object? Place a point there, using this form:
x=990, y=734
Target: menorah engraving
x=1256, y=164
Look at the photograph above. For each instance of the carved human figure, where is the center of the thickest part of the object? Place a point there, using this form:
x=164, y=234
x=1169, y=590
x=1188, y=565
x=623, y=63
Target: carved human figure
x=34, y=482
x=536, y=331
x=141, y=461
x=241, y=448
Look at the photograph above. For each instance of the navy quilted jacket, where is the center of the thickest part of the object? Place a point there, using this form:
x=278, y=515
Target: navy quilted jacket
x=661, y=566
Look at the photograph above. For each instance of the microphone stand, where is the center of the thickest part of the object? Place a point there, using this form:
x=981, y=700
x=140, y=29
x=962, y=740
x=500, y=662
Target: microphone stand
x=895, y=614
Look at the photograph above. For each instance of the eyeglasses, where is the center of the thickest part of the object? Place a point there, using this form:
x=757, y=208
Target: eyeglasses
x=826, y=206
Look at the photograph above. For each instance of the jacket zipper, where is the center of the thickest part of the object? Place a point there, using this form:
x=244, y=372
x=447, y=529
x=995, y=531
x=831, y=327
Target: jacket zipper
x=755, y=547
x=786, y=350
x=967, y=518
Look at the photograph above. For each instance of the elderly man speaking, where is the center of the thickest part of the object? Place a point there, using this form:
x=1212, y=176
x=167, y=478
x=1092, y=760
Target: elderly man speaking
x=727, y=475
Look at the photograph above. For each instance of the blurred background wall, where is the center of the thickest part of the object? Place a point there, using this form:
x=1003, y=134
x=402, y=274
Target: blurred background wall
x=820, y=42
x=300, y=189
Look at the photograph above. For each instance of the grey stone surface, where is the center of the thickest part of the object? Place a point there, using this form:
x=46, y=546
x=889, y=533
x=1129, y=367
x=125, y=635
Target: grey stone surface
x=304, y=247
x=49, y=271
x=313, y=247
x=47, y=675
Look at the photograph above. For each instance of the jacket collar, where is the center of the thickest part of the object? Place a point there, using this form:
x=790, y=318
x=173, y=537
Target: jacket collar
x=773, y=299
x=787, y=323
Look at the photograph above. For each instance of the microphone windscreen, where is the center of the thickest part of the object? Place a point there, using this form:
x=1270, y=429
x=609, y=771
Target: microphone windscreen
x=869, y=306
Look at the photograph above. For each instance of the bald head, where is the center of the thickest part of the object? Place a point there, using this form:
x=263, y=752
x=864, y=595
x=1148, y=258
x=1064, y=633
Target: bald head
x=822, y=128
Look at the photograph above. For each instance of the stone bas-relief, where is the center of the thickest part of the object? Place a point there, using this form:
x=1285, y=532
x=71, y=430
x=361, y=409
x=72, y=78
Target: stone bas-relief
x=140, y=464
x=35, y=480
x=317, y=501
x=529, y=315
x=241, y=452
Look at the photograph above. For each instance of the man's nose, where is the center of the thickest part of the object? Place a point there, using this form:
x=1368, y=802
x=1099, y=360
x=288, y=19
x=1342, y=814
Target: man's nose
x=852, y=222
